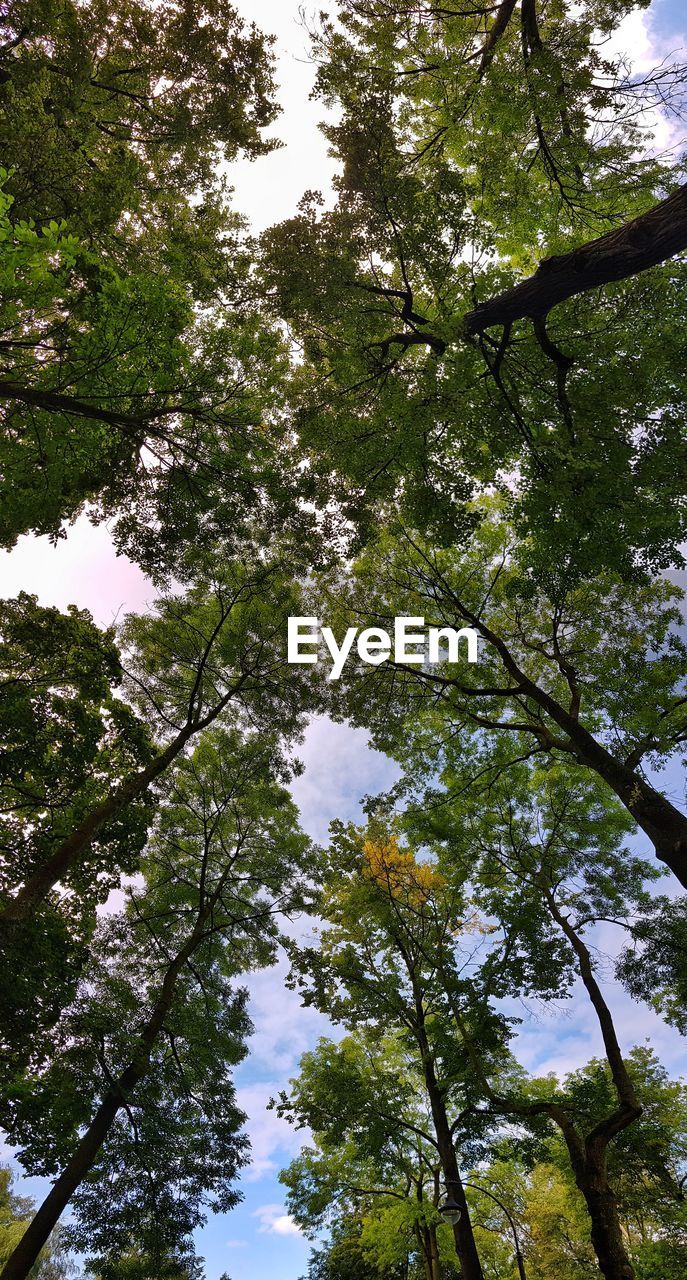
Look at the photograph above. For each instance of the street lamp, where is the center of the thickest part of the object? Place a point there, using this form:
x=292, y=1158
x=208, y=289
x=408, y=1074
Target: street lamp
x=450, y=1210
x=518, y=1254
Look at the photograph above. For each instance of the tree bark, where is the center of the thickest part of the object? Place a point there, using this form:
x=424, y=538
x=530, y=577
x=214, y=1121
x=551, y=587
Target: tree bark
x=503, y=16
x=422, y=1237
x=622, y=1081
x=606, y=1233
x=434, y=1253
x=54, y=402
x=25, y=1255
x=591, y=1170
x=644, y=242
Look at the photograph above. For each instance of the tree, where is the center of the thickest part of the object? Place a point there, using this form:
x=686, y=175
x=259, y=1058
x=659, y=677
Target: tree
x=475, y=144
x=210, y=652
x=135, y=1113
x=374, y=1162
x=530, y=873
x=217, y=646
x=135, y=1265
x=547, y=862
x=345, y=1259
x=127, y=109
x=545, y=857
x=591, y=671
x=647, y=1163
x=377, y=964
x=551, y=1217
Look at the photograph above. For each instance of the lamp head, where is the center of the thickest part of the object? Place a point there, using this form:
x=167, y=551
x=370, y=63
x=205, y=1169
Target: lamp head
x=449, y=1210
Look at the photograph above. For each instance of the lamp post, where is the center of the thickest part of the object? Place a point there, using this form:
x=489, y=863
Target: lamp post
x=518, y=1255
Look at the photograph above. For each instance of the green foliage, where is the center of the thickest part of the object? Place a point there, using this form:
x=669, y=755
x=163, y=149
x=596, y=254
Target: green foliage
x=220, y=636
x=548, y=843
x=137, y=375
x=345, y=1259
x=372, y=1177
x=592, y=671
x=105, y=106
x=67, y=738
x=241, y=414
x=135, y=1265
x=469, y=154
x=654, y=966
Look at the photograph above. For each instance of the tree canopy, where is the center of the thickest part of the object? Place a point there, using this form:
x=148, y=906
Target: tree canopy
x=451, y=391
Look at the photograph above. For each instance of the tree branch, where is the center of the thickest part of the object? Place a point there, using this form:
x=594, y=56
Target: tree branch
x=644, y=242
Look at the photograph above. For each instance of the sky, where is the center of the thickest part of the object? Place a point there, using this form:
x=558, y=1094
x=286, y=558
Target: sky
x=258, y=1239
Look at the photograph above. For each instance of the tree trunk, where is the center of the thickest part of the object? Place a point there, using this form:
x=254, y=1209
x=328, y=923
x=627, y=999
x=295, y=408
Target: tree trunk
x=466, y=1249
x=629, y=1108
x=644, y=242
x=503, y=16
x=25, y=1255
x=590, y=1163
x=665, y=825
x=422, y=1237
x=602, y=1207
x=463, y=1235
x=23, y=905
x=434, y=1254
x=588, y=1154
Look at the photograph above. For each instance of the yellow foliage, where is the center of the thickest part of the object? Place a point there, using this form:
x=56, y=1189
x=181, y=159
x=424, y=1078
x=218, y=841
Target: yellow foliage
x=398, y=873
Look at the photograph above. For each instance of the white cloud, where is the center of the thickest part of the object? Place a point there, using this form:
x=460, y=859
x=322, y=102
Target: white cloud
x=273, y=1140
x=638, y=38
x=274, y=1221
x=644, y=47
x=340, y=768
x=83, y=569
x=268, y=189
x=283, y=1028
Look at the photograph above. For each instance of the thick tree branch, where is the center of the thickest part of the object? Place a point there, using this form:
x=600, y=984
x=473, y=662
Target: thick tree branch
x=53, y=402
x=503, y=17
x=645, y=242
